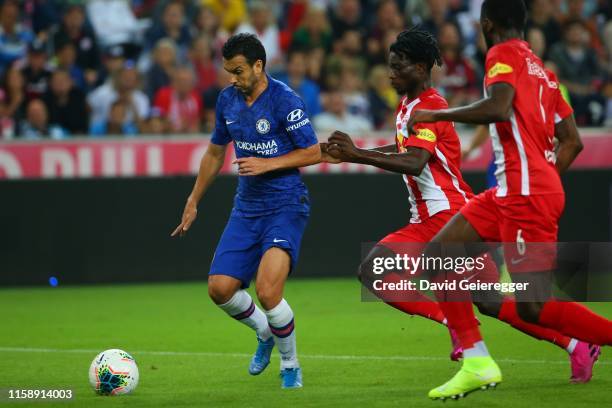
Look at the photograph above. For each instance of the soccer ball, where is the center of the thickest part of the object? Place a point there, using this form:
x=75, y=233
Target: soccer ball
x=113, y=372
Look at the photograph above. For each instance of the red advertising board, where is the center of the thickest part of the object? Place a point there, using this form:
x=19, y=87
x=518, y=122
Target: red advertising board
x=151, y=157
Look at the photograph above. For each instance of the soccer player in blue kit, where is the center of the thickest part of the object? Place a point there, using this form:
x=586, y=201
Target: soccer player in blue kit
x=272, y=137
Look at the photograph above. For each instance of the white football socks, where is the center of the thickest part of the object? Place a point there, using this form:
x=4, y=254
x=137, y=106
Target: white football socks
x=478, y=350
x=242, y=308
x=572, y=346
x=280, y=320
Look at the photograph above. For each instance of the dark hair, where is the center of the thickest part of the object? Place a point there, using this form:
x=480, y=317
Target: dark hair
x=508, y=14
x=247, y=45
x=418, y=46
x=572, y=22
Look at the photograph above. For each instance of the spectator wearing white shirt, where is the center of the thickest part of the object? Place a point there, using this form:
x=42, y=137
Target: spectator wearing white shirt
x=265, y=29
x=337, y=117
x=113, y=21
x=124, y=87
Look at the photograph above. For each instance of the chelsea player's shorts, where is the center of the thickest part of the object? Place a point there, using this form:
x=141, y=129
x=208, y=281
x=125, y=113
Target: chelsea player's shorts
x=246, y=239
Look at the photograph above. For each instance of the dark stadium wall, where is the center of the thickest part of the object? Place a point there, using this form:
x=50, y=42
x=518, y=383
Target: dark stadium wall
x=118, y=230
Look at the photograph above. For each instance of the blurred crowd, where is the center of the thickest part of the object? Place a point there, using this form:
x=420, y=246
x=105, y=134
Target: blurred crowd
x=121, y=67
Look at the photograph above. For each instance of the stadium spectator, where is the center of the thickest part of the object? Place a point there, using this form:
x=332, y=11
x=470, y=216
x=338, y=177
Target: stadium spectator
x=35, y=72
x=585, y=11
x=74, y=30
x=156, y=124
x=314, y=32
x=173, y=26
x=542, y=17
x=14, y=93
x=265, y=29
x=347, y=58
x=537, y=42
x=113, y=60
x=40, y=16
x=113, y=21
x=382, y=97
x=439, y=13
x=36, y=123
x=352, y=87
x=201, y=59
x=458, y=78
x=388, y=18
x=347, y=16
x=180, y=103
x=578, y=69
x=230, y=12
x=209, y=98
x=296, y=78
x=66, y=105
x=208, y=24
x=164, y=63
x=14, y=37
x=190, y=8
x=118, y=122
x=126, y=87
x=337, y=117
x=65, y=58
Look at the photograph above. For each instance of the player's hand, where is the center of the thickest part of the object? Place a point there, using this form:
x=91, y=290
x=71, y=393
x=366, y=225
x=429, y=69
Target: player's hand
x=253, y=166
x=326, y=157
x=189, y=215
x=341, y=146
x=420, y=116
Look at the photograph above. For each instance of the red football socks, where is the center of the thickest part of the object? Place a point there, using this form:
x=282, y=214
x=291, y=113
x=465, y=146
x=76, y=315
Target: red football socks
x=575, y=320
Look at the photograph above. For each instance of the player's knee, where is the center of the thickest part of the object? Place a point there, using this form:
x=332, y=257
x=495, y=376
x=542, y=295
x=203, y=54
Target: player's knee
x=488, y=308
x=529, y=312
x=219, y=293
x=268, y=297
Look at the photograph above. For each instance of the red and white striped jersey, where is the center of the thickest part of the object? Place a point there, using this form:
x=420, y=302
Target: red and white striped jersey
x=523, y=146
x=440, y=186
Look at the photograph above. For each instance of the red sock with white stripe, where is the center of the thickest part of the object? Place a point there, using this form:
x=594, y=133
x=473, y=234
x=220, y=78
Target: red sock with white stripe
x=280, y=320
x=461, y=318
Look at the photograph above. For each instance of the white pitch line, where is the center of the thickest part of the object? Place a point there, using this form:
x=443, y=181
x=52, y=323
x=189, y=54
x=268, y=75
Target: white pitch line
x=302, y=356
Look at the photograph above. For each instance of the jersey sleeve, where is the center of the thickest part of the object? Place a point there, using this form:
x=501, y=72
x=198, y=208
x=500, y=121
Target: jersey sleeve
x=563, y=108
x=501, y=66
x=296, y=122
x=426, y=137
x=220, y=135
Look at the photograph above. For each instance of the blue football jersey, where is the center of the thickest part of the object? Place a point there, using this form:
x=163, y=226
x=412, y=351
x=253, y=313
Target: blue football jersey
x=274, y=125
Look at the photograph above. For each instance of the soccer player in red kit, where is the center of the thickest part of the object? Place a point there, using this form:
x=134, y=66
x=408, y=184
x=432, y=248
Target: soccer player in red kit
x=521, y=104
x=429, y=163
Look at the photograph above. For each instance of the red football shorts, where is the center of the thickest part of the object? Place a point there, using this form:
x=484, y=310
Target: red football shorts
x=526, y=225
x=413, y=238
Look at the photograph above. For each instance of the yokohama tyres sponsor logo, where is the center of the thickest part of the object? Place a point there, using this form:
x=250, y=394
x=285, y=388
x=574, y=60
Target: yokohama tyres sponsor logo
x=253, y=147
x=298, y=125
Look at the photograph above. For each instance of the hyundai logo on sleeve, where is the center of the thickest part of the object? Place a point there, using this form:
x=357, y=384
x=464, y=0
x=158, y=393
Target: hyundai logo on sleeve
x=295, y=115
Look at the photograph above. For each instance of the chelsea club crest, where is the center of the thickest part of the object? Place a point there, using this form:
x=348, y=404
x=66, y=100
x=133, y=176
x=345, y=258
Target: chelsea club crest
x=263, y=126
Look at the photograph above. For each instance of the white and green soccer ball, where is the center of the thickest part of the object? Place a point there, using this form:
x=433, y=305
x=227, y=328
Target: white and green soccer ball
x=113, y=372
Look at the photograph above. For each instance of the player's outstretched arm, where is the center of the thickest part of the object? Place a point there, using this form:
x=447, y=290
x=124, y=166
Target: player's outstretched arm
x=496, y=107
x=253, y=166
x=411, y=162
x=570, y=144
x=210, y=165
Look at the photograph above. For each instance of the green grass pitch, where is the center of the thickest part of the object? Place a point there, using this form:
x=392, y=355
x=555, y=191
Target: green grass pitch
x=190, y=354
